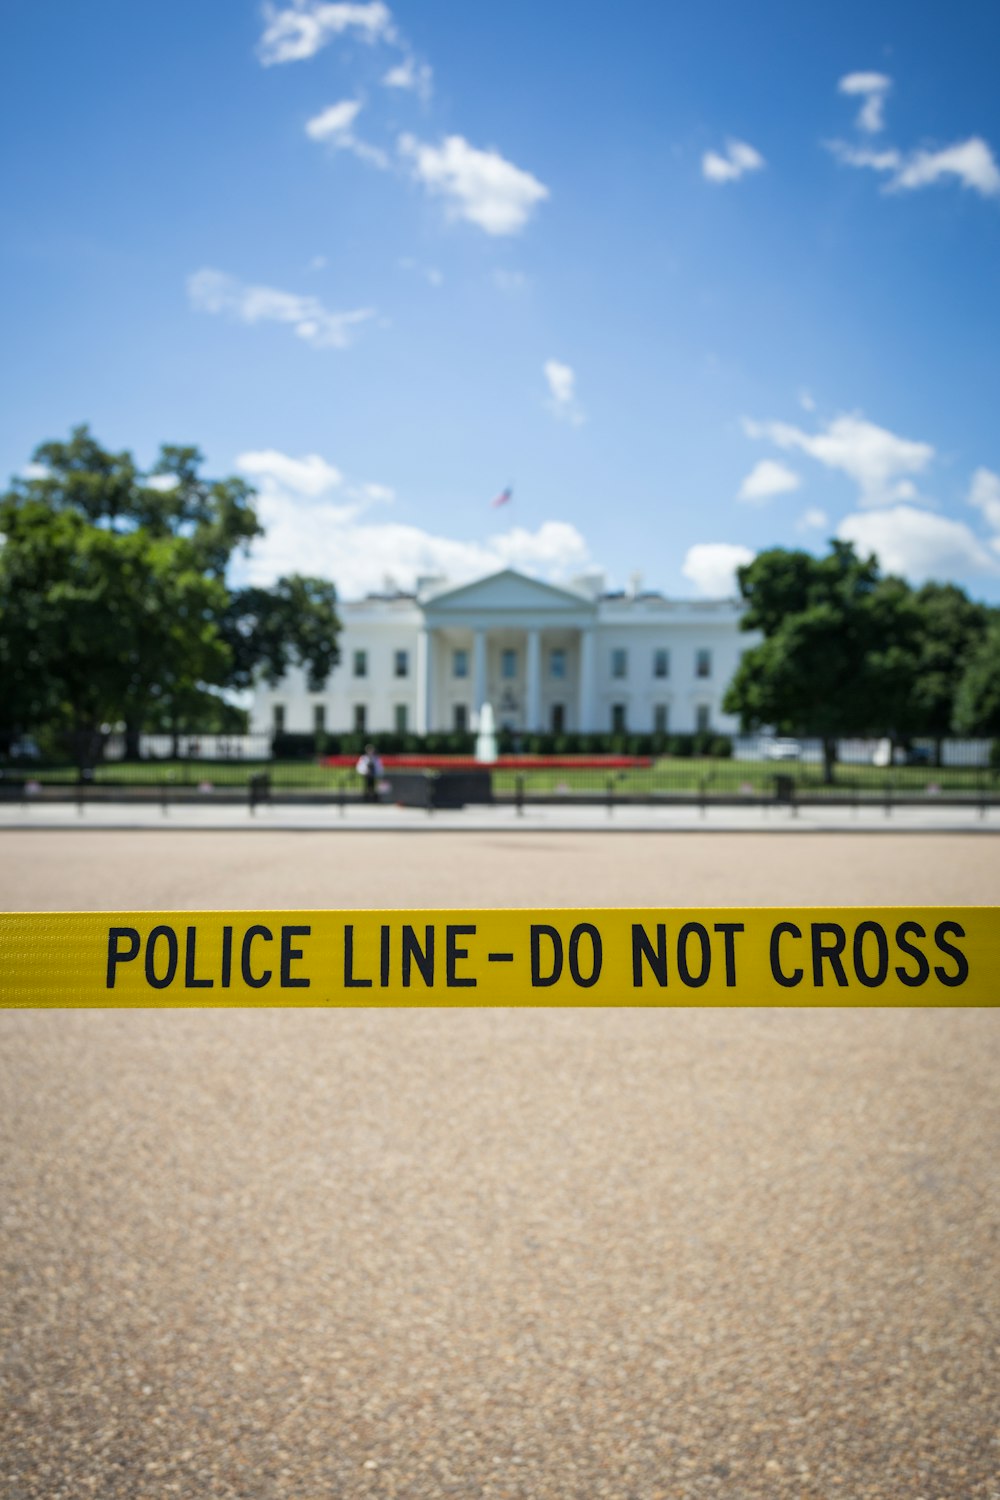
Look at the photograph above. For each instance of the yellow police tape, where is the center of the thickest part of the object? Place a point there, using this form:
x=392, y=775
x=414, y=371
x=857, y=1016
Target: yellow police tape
x=705, y=956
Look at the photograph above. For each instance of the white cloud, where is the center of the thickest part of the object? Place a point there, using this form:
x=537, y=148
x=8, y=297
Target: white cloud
x=971, y=162
x=875, y=458
x=215, y=292
x=308, y=529
x=561, y=381
x=873, y=88
x=300, y=30
x=34, y=471
x=333, y=121
x=311, y=475
x=333, y=126
x=888, y=160
x=984, y=494
x=410, y=74
x=359, y=556
x=480, y=186
x=555, y=548
x=373, y=494
x=806, y=401
x=711, y=567
x=812, y=519
x=768, y=478
x=162, y=482
x=917, y=543
x=739, y=159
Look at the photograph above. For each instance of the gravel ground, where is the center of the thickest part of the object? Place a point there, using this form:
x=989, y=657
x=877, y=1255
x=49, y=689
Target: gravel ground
x=545, y=1253
x=499, y=1254
x=182, y=870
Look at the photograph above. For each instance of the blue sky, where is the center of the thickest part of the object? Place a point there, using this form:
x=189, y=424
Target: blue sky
x=692, y=280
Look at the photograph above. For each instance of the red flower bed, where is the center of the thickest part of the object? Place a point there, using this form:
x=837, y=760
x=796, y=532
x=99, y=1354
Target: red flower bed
x=502, y=763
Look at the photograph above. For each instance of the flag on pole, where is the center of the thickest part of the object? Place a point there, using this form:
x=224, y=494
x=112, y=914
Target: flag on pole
x=503, y=497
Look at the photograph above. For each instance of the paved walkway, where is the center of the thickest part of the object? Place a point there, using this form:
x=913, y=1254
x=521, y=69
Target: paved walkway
x=550, y=818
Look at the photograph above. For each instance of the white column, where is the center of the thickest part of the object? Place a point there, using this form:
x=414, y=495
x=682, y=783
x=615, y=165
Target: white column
x=534, y=683
x=586, y=723
x=424, y=668
x=478, y=672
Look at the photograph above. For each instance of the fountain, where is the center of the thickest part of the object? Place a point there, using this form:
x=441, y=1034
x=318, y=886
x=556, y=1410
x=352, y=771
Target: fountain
x=486, y=738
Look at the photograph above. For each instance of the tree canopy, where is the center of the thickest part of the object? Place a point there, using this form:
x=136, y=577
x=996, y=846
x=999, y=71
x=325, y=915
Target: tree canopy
x=977, y=702
x=114, y=604
x=840, y=646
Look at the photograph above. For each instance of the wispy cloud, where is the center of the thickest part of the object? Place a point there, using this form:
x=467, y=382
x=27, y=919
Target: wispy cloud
x=561, y=381
x=298, y=31
x=812, y=519
x=334, y=121
x=215, y=292
x=739, y=159
x=879, y=461
x=480, y=186
x=430, y=274
x=510, y=282
x=334, y=125
x=984, y=494
x=412, y=75
x=767, y=479
x=711, y=567
x=872, y=88
x=970, y=162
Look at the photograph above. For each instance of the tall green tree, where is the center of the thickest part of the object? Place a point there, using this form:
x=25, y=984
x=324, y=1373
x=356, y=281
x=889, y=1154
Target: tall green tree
x=839, y=647
x=977, y=699
x=114, y=604
x=951, y=628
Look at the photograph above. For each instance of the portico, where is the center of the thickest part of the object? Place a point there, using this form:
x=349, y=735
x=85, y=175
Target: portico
x=523, y=646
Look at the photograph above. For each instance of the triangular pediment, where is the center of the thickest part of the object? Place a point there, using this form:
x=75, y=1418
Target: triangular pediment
x=506, y=592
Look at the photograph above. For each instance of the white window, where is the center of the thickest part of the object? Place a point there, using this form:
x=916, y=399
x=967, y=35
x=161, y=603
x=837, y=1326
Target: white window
x=361, y=663
x=508, y=663
x=619, y=662
x=278, y=718
x=461, y=718
x=557, y=663
x=617, y=718
x=661, y=662
x=400, y=717
x=460, y=663
x=319, y=718
x=402, y=663
x=661, y=718
x=360, y=719
x=703, y=721
x=703, y=663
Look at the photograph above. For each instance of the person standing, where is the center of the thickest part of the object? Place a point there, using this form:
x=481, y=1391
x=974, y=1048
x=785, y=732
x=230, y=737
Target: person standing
x=370, y=767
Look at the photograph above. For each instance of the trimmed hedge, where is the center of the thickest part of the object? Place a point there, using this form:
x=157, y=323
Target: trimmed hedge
x=289, y=746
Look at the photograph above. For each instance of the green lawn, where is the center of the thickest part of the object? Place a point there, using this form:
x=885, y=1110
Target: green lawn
x=667, y=776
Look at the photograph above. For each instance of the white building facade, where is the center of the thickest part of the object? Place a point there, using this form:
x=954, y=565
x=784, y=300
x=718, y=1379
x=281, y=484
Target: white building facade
x=548, y=659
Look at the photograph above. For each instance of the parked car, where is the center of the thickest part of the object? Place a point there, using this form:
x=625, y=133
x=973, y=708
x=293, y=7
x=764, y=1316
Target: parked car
x=783, y=749
x=24, y=748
